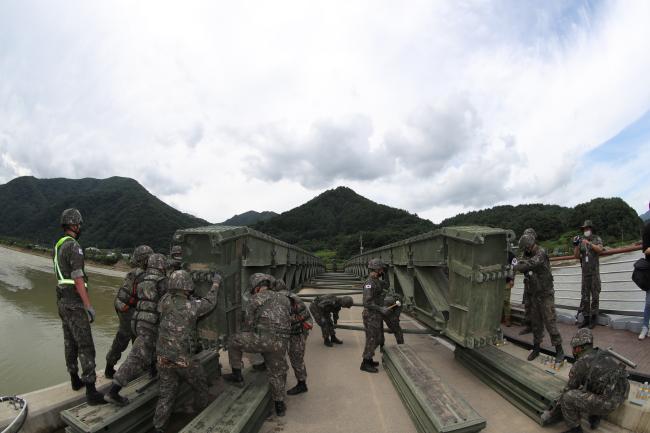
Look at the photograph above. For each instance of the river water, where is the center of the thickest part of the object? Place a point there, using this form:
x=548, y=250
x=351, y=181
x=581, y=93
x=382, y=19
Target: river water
x=31, y=338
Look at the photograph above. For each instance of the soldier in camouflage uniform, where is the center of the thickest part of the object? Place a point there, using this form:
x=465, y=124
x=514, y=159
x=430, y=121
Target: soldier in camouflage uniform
x=392, y=317
x=177, y=344
x=175, y=262
x=597, y=384
x=301, y=323
x=587, y=249
x=527, y=296
x=325, y=310
x=145, y=326
x=373, y=314
x=268, y=315
x=74, y=306
x=538, y=269
x=125, y=302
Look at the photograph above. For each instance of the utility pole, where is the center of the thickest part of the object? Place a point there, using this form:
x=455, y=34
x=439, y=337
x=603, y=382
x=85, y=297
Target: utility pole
x=361, y=243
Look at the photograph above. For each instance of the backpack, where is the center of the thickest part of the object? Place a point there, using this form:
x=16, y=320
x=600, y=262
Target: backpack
x=641, y=274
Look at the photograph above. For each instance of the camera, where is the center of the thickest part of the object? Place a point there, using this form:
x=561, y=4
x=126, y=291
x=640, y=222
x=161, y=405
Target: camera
x=577, y=240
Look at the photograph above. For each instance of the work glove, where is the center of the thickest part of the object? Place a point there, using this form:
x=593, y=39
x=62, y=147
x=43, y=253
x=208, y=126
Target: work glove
x=514, y=262
x=216, y=278
x=90, y=311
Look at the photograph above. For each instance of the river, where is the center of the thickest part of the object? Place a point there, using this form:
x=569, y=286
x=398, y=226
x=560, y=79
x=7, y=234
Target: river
x=31, y=338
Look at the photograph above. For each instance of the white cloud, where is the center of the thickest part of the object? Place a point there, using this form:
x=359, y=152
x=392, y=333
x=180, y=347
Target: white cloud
x=222, y=107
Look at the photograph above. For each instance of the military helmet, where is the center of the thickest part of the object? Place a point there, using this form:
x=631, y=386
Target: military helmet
x=71, y=217
x=346, y=301
x=157, y=261
x=180, y=280
x=279, y=285
x=376, y=264
x=526, y=241
x=176, y=252
x=141, y=255
x=531, y=231
x=582, y=337
x=259, y=279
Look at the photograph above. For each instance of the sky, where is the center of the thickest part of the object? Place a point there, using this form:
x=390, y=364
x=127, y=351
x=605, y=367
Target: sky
x=436, y=107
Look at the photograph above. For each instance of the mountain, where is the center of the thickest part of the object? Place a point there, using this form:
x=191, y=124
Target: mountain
x=645, y=216
x=249, y=218
x=337, y=218
x=118, y=212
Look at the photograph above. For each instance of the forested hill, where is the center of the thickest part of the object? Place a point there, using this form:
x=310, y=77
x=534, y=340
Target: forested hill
x=118, y=212
x=613, y=218
x=249, y=218
x=335, y=220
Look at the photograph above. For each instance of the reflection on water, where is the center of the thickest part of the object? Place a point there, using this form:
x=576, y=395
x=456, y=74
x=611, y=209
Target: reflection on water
x=31, y=338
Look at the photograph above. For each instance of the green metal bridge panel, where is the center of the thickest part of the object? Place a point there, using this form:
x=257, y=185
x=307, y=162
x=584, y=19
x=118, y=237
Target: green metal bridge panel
x=433, y=405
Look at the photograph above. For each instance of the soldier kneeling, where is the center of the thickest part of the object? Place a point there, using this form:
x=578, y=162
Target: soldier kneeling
x=176, y=343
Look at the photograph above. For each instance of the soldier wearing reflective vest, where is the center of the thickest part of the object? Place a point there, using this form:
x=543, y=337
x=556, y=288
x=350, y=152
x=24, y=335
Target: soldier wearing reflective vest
x=74, y=306
x=125, y=303
x=144, y=325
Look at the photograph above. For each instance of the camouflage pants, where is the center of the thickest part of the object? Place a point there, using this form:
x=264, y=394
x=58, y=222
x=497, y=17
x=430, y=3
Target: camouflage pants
x=78, y=340
x=169, y=379
x=297, y=355
x=324, y=321
x=274, y=350
x=506, y=303
x=392, y=322
x=590, y=295
x=575, y=403
x=526, y=301
x=122, y=338
x=374, y=326
x=542, y=315
x=140, y=358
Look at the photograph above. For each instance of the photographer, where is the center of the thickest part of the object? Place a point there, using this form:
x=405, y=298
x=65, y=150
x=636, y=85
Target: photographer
x=587, y=248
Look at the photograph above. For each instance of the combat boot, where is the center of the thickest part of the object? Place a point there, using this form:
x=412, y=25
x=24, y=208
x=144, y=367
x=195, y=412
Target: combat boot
x=76, y=382
x=109, y=371
x=335, y=340
x=280, y=408
x=234, y=377
x=535, y=353
x=366, y=365
x=298, y=389
x=577, y=429
x=94, y=397
x=594, y=321
x=113, y=396
x=399, y=337
x=374, y=363
x=594, y=421
x=586, y=322
x=327, y=342
x=559, y=354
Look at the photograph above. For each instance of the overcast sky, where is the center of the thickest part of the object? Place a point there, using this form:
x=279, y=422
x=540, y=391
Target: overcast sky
x=436, y=107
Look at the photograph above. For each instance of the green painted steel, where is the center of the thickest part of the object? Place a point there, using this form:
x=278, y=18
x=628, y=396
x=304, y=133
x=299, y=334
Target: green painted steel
x=433, y=405
x=237, y=253
x=452, y=279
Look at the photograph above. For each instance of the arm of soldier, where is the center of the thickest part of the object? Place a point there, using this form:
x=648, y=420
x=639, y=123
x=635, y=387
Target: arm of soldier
x=251, y=307
x=77, y=274
x=368, y=297
x=576, y=252
x=335, y=315
x=596, y=244
x=575, y=376
x=207, y=304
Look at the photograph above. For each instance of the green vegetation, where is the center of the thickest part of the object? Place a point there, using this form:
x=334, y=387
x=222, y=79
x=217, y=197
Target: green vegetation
x=118, y=212
x=249, y=218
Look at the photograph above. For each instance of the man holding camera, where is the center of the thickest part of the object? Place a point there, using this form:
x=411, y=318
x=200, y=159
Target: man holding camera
x=587, y=248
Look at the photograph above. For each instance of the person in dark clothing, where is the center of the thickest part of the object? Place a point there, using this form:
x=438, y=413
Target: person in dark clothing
x=645, y=247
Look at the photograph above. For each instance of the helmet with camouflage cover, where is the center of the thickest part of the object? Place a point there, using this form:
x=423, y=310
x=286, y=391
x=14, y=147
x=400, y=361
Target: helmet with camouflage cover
x=141, y=255
x=279, y=285
x=582, y=337
x=157, y=261
x=526, y=242
x=346, y=301
x=376, y=264
x=176, y=252
x=531, y=231
x=71, y=217
x=180, y=281
x=259, y=279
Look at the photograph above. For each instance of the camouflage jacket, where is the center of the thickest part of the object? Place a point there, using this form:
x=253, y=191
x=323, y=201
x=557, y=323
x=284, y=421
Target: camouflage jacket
x=299, y=314
x=71, y=263
x=390, y=299
x=600, y=373
x=150, y=290
x=537, y=269
x=269, y=311
x=127, y=296
x=177, y=330
x=373, y=295
x=589, y=259
x=328, y=304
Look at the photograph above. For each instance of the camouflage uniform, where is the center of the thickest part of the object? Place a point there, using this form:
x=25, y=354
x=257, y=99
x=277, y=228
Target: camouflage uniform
x=177, y=345
x=527, y=294
x=373, y=321
x=325, y=310
x=590, y=293
x=537, y=269
x=77, y=336
x=144, y=325
x=268, y=315
x=301, y=323
x=392, y=318
x=597, y=386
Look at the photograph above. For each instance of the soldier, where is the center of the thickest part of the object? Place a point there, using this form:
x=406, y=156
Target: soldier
x=144, y=325
x=587, y=249
x=268, y=317
x=393, y=302
x=125, y=302
x=301, y=323
x=325, y=310
x=540, y=280
x=175, y=258
x=177, y=343
x=597, y=384
x=527, y=297
x=373, y=314
x=74, y=306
